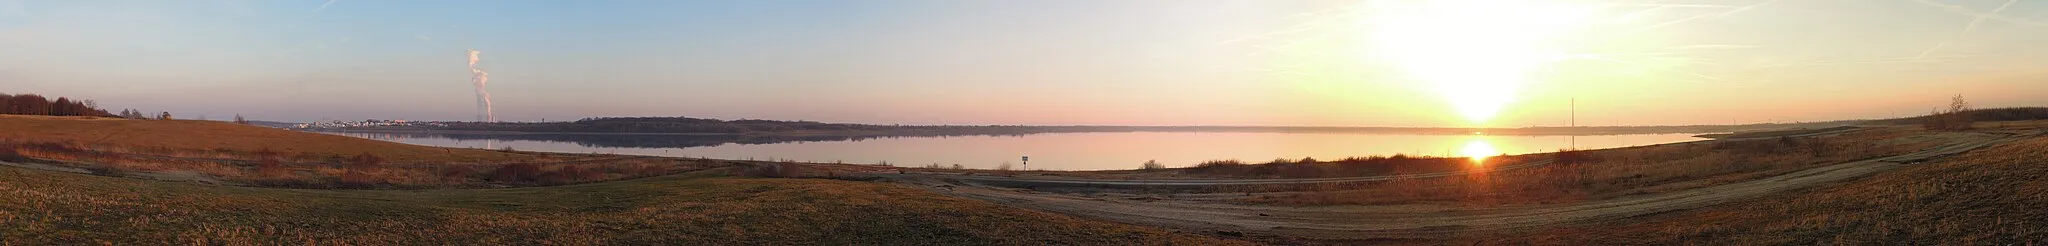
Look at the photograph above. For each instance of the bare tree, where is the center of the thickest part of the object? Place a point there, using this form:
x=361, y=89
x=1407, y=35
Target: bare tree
x=239, y=120
x=1959, y=110
x=1957, y=117
x=1153, y=164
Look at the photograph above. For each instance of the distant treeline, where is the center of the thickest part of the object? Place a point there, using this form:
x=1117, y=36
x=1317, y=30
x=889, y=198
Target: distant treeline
x=687, y=125
x=699, y=125
x=641, y=140
x=1990, y=114
x=32, y=104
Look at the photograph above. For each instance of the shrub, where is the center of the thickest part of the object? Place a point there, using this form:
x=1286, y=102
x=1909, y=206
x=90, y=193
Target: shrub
x=772, y=170
x=1957, y=117
x=456, y=172
x=270, y=167
x=268, y=163
x=1220, y=167
x=516, y=172
x=9, y=154
x=1004, y=167
x=1152, y=165
x=1572, y=156
x=564, y=175
x=366, y=161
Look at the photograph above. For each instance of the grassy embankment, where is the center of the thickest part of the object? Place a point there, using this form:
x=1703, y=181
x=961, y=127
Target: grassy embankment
x=1603, y=174
x=1995, y=196
x=705, y=206
x=40, y=207
x=242, y=154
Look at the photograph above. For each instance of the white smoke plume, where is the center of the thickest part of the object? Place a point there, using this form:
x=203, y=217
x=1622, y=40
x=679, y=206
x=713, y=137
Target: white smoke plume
x=483, y=97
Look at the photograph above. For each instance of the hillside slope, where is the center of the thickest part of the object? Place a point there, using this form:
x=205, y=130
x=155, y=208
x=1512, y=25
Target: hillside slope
x=1997, y=196
x=214, y=135
x=43, y=207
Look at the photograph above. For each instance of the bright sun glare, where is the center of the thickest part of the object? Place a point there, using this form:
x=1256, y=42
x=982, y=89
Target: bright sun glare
x=1475, y=52
x=1478, y=149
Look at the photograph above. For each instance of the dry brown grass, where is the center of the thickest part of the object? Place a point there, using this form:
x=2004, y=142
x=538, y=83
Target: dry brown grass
x=195, y=136
x=248, y=155
x=1990, y=197
x=1616, y=172
x=41, y=208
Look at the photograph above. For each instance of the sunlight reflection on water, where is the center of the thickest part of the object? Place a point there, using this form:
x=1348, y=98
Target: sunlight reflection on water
x=1087, y=151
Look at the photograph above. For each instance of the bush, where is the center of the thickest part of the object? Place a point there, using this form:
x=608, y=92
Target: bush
x=772, y=170
x=1573, y=157
x=361, y=170
x=1958, y=116
x=457, y=172
x=1152, y=165
x=271, y=167
x=269, y=164
x=9, y=154
x=517, y=172
x=564, y=175
x=365, y=161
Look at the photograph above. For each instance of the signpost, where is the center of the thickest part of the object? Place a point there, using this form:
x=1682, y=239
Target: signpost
x=1027, y=163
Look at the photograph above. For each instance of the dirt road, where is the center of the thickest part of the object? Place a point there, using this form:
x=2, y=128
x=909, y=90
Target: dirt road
x=1407, y=221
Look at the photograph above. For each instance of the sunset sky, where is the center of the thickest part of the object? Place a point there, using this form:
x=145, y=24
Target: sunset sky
x=1500, y=63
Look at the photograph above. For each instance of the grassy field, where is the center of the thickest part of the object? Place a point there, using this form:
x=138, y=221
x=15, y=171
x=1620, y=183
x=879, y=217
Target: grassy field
x=1610, y=173
x=142, y=135
x=42, y=207
x=220, y=152
x=1992, y=197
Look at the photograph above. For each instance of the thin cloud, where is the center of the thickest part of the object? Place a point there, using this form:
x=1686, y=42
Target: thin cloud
x=1958, y=9
x=323, y=6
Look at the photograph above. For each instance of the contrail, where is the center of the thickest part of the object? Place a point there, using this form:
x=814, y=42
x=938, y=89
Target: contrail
x=1958, y=9
x=324, y=6
x=1971, y=27
x=483, y=98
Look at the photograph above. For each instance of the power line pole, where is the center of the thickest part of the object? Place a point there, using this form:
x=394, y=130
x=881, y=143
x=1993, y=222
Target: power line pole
x=1575, y=123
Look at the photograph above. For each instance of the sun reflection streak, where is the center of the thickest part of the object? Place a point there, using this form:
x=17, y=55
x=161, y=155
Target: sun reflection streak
x=1478, y=149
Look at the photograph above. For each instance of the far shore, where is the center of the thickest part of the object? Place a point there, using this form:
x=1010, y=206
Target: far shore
x=1708, y=131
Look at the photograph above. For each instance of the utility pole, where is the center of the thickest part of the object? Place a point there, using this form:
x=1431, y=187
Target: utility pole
x=1575, y=123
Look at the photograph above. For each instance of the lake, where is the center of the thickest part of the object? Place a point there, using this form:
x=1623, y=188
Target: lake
x=1050, y=151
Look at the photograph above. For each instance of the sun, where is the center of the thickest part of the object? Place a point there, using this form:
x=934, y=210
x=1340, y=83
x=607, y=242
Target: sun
x=1476, y=53
x=1478, y=149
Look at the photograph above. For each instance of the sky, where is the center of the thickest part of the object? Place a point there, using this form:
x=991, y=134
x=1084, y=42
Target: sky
x=1495, y=63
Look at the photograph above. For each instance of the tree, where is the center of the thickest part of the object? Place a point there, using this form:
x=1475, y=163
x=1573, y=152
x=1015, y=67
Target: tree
x=29, y=104
x=163, y=116
x=239, y=120
x=1957, y=117
x=62, y=107
x=1959, y=110
x=1153, y=164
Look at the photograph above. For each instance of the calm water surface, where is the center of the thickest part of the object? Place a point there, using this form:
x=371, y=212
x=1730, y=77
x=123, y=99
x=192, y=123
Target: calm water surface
x=1066, y=151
